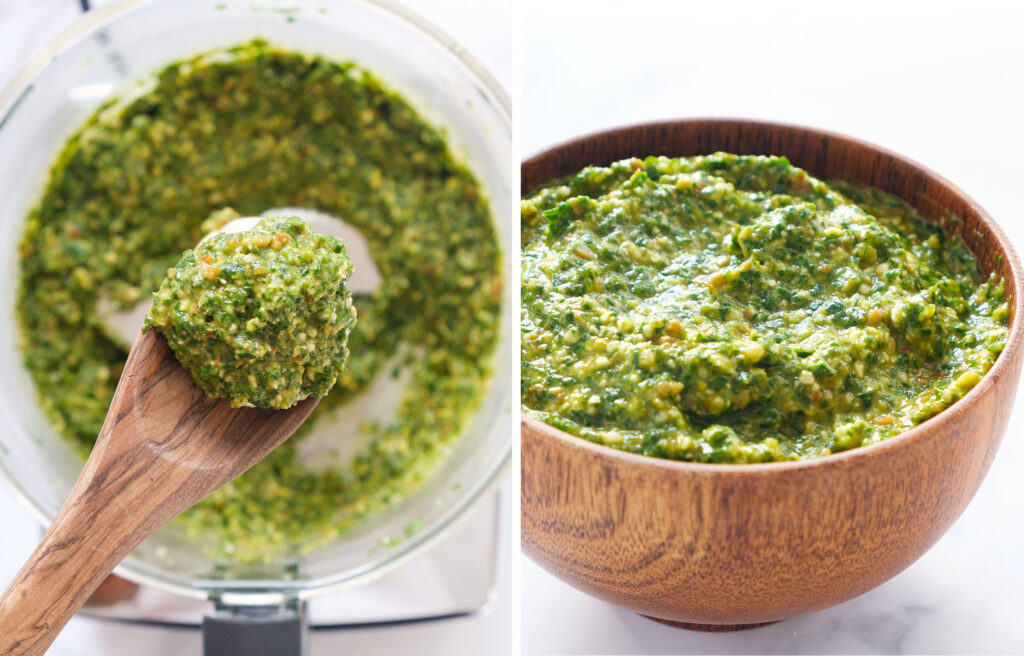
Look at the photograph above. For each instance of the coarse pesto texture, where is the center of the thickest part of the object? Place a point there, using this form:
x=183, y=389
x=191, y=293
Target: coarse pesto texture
x=257, y=128
x=735, y=309
x=259, y=317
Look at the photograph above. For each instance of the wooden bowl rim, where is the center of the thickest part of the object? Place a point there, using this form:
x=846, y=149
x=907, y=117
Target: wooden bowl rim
x=844, y=458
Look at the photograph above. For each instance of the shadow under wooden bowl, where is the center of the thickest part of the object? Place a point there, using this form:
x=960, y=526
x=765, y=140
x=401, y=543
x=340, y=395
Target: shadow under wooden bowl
x=746, y=544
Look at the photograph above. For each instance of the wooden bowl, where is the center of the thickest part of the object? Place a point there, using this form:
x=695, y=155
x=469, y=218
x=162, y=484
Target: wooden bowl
x=729, y=546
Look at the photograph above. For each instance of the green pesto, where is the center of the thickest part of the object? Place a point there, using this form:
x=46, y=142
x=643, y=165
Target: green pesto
x=735, y=309
x=255, y=128
x=260, y=317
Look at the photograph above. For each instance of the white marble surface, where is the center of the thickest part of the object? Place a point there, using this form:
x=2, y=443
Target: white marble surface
x=939, y=82
x=482, y=28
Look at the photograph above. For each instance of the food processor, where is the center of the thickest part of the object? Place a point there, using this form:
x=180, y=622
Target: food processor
x=108, y=53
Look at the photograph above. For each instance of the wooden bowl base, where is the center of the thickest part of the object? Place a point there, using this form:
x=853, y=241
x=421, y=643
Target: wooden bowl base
x=714, y=628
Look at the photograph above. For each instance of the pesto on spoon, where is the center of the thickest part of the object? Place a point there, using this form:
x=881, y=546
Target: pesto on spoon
x=261, y=317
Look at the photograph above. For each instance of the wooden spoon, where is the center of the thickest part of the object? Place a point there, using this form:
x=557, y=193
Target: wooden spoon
x=164, y=446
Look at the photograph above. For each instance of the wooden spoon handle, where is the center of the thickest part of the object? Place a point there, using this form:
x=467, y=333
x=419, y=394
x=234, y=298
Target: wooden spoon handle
x=126, y=491
x=82, y=546
x=164, y=446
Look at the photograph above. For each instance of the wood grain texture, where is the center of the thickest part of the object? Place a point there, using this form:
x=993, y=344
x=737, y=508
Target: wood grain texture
x=164, y=446
x=746, y=544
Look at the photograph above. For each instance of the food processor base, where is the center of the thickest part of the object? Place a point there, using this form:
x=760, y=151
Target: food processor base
x=232, y=634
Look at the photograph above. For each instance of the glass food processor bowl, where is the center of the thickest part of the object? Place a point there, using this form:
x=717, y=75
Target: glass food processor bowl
x=103, y=56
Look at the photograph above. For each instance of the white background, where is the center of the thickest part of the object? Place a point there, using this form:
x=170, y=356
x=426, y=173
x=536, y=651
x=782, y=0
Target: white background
x=938, y=82
x=485, y=31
